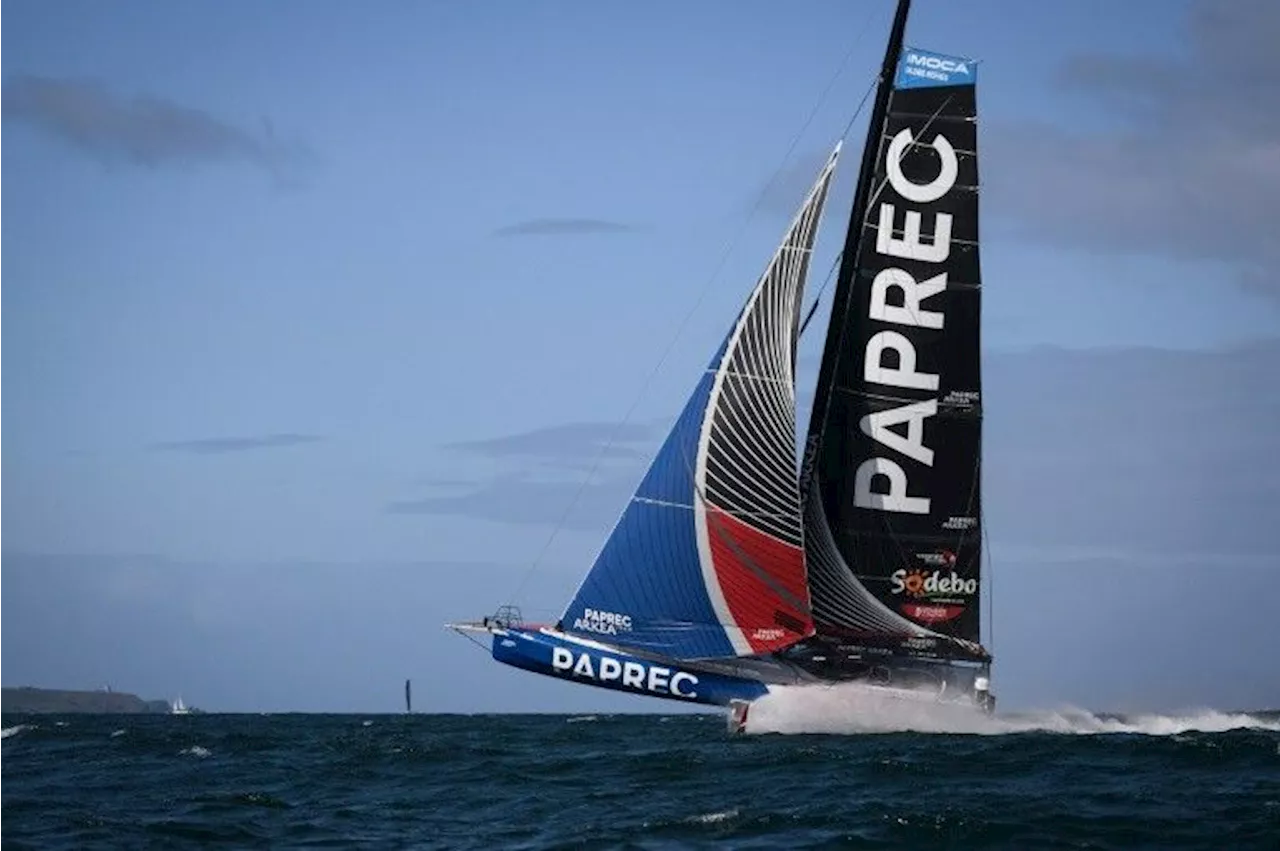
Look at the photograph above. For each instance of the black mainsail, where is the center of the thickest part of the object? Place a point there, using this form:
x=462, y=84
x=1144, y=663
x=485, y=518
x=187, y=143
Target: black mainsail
x=891, y=476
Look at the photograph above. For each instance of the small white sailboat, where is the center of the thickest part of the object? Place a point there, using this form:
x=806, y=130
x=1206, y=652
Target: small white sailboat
x=179, y=708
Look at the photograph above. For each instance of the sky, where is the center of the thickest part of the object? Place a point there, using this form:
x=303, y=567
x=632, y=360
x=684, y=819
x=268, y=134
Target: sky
x=325, y=324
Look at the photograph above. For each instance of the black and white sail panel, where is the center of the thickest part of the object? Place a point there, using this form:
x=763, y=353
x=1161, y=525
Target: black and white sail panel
x=893, y=507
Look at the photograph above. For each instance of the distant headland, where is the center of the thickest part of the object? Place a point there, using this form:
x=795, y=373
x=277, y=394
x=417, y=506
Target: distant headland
x=26, y=699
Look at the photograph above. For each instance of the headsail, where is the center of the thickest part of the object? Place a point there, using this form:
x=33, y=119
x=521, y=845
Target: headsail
x=707, y=559
x=891, y=474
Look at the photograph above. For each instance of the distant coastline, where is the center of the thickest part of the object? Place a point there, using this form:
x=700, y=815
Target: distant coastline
x=27, y=699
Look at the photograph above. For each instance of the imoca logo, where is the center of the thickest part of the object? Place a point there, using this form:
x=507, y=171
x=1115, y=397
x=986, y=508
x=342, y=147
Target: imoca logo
x=937, y=63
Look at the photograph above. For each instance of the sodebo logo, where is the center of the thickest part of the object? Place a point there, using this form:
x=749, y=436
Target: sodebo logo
x=652, y=678
x=917, y=583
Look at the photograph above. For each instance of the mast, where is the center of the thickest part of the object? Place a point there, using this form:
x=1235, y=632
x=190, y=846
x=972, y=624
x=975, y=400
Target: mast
x=849, y=256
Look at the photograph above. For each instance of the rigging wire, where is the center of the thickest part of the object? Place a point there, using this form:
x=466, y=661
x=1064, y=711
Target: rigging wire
x=702, y=293
x=817, y=298
x=991, y=589
x=835, y=264
x=472, y=639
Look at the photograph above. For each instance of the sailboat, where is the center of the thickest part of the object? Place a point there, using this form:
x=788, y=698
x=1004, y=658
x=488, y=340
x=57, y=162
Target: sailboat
x=179, y=708
x=733, y=569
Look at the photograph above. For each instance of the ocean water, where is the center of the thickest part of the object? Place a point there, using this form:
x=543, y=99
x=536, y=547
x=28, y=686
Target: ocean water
x=1047, y=780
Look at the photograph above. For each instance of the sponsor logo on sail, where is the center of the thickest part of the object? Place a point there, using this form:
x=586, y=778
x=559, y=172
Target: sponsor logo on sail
x=922, y=68
x=654, y=679
x=932, y=66
x=942, y=558
x=960, y=523
x=962, y=398
x=922, y=583
x=602, y=623
x=910, y=233
x=944, y=593
x=929, y=613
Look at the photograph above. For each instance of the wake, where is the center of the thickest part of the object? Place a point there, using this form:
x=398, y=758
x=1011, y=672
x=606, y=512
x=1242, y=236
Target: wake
x=850, y=708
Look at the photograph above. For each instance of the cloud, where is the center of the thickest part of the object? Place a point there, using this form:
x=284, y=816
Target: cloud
x=143, y=131
x=571, y=444
x=525, y=498
x=281, y=636
x=1170, y=453
x=543, y=474
x=220, y=445
x=441, y=482
x=1190, y=167
x=1151, y=451
x=563, y=227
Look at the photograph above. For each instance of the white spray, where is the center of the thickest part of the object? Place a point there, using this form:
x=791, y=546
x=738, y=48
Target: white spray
x=852, y=708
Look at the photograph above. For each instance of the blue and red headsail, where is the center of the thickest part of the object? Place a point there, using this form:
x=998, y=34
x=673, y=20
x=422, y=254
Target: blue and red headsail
x=707, y=559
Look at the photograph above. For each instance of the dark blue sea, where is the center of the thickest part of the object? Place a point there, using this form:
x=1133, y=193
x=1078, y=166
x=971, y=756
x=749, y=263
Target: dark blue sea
x=629, y=781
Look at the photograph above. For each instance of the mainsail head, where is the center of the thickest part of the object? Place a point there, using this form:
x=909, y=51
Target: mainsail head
x=892, y=465
x=707, y=559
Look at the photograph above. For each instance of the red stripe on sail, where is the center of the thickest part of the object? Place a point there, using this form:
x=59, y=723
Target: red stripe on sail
x=763, y=606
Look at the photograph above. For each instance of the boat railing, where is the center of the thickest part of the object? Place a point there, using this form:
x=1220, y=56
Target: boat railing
x=507, y=617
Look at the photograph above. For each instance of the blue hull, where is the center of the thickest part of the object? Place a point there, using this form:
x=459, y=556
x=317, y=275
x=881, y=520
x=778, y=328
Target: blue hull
x=617, y=670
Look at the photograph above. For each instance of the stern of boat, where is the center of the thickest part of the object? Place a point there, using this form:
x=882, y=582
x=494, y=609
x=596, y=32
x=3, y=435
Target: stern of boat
x=982, y=695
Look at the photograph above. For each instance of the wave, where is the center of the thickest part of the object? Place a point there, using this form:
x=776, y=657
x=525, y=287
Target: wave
x=851, y=708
